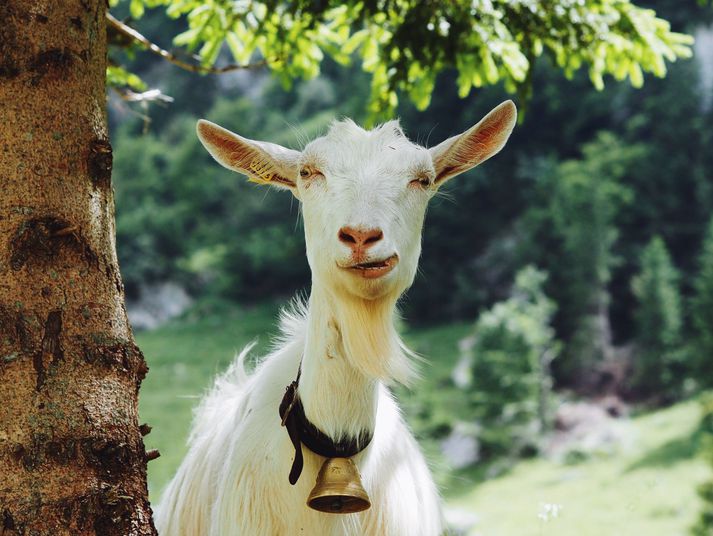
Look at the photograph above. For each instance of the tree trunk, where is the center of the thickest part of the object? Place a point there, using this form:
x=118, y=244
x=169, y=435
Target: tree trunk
x=72, y=460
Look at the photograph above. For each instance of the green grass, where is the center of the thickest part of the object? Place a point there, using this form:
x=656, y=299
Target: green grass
x=646, y=489
x=183, y=358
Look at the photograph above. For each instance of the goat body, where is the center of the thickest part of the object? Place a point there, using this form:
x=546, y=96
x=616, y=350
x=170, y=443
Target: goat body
x=363, y=196
x=234, y=479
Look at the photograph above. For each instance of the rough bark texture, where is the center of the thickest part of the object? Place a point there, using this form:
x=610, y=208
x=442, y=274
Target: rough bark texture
x=72, y=460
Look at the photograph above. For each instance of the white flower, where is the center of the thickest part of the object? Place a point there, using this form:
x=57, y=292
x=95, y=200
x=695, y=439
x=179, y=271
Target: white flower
x=549, y=510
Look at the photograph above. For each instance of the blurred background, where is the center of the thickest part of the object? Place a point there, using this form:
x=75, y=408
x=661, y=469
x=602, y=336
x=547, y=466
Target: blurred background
x=564, y=302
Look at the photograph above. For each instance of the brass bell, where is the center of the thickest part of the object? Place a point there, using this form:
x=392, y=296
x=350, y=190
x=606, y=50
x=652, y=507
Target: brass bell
x=338, y=489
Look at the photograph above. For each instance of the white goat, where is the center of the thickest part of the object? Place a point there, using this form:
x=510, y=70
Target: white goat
x=364, y=197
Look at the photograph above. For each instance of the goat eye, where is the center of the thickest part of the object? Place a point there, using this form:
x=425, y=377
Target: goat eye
x=423, y=182
x=308, y=172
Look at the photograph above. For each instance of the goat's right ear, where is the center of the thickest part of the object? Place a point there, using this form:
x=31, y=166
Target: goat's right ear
x=262, y=162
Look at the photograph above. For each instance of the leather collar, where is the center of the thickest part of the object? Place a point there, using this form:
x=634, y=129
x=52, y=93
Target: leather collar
x=301, y=431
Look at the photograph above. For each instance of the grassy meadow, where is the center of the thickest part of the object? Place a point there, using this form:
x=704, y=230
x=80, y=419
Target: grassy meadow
x=646, y=488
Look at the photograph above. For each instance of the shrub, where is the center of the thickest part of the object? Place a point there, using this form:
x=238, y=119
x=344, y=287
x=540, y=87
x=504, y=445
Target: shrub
x=657, y=368
x=513, y=345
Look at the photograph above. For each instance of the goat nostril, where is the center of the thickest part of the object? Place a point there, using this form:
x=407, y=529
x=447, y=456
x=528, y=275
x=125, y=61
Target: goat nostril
x=374, y=238
x=346, y=237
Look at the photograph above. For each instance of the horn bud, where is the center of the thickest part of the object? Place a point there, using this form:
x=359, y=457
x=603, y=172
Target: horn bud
x=338, y=489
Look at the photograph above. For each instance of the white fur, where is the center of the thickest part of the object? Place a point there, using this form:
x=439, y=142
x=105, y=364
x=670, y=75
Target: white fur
x=233, y=480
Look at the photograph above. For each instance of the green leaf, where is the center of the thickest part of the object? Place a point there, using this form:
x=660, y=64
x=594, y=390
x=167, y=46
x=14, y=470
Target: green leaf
x=237, y=49
x=355, y=41
x=210, y=50
x=187, y=38
x=119, y=77
x=636, y=75
x=596, y=78
x=491, y=70
x=136, y=8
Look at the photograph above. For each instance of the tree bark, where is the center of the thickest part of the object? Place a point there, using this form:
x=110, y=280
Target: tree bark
x=72, y=459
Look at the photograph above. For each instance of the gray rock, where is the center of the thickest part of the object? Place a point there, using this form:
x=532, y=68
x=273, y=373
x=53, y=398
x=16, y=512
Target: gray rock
x=461, y=375
x=587, y=428
x=460, y=521
x=703, y=52
x=158, y=303
x=461, y=447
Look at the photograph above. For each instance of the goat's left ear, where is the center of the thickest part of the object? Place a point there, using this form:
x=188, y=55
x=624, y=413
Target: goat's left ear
x=465, y=151
x=262, y=162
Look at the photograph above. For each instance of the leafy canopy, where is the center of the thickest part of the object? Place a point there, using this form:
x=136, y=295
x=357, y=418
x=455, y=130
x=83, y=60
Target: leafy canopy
x=404, y=44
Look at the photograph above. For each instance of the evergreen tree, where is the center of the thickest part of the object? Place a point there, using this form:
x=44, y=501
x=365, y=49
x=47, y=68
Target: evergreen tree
x=588, y=195
x=658, y=323
x=513, y=345
x=702, y=309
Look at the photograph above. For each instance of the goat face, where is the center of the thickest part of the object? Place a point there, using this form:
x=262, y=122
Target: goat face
x=364, y=196
x=363, y=193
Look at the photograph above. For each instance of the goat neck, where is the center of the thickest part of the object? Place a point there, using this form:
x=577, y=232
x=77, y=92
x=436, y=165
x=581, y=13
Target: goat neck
x=351, y=346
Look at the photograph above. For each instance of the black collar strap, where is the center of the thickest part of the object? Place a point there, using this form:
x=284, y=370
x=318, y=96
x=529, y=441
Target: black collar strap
x=302, y=431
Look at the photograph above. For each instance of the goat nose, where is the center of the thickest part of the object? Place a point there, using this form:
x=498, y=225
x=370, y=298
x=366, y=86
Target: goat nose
x=357, y=238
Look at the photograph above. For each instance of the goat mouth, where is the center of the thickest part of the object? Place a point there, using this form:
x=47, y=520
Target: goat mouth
x=374, y=269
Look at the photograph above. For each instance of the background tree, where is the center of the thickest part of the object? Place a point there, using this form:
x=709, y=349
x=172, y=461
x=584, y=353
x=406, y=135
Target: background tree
x=72, y=458
x=585, y=198
x=486, y=244
x=702, y=309
x=658, y=360
x=405, y=44
x=513, y=346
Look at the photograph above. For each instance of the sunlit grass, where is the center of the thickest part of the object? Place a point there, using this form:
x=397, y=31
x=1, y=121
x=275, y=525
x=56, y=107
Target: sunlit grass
x=646, y=489
x=183, y=358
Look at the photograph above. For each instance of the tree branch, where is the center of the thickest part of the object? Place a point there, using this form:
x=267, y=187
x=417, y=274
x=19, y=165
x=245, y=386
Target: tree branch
x=152, y=95
x=133, y=35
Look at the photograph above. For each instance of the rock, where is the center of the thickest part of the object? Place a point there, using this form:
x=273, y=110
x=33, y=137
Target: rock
x=585, y=428
x=703, y=52
x=461, y=447
x=460, y=521
x=157, y=304
x=461, y=375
